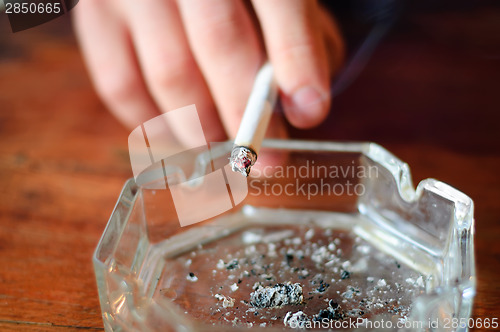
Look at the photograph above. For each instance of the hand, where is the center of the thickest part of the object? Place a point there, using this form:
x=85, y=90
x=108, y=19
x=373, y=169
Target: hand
x=151, y=56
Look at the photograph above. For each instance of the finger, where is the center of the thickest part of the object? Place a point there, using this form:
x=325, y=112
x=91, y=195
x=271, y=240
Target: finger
x=171, y=72
x=111, y=61
x=227, y=48
x=296, y=49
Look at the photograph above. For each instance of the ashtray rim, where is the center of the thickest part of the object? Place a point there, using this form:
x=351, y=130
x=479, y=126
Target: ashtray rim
x=400, y=172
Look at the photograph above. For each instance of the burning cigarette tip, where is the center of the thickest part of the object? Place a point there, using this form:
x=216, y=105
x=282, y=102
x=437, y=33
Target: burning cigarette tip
x=242, y=159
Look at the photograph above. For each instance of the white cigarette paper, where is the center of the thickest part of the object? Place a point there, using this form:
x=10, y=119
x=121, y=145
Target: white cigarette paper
x=255, y=120
x=258, y=110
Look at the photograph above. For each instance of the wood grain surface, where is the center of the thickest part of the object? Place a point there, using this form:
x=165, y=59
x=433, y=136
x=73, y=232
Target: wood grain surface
x=430, y=94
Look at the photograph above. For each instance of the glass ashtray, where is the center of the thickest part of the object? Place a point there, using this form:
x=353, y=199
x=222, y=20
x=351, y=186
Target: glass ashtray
x=320, y=236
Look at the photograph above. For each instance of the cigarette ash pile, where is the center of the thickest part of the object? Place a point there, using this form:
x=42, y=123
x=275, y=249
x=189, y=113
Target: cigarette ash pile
x=294, y=275
x=300, y=320
x=276, y=296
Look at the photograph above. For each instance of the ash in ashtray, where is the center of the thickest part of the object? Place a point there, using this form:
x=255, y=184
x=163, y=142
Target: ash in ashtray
x=277, y=295
x=292, y=275
x=226, y=300
x=296, y=320
x=192, y=277
x=333, y=312
x=301, y=320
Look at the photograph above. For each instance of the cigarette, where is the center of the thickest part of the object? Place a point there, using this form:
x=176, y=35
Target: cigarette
x=255, y=120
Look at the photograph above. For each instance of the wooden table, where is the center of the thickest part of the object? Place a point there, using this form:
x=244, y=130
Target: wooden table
x=430, y=94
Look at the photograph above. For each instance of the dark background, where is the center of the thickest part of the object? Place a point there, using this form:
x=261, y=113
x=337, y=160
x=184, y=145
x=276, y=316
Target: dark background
x=430, y=93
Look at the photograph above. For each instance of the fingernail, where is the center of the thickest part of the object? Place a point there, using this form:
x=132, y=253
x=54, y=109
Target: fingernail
x=308, y=99
x=307, y=103
x=306, y=96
